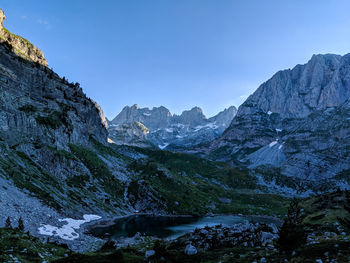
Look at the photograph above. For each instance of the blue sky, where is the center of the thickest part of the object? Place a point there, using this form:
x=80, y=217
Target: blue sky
x=178, y=53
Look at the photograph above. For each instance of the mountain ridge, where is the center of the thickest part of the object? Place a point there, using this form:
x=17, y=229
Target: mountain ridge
x=189, y=128
x=285, y=124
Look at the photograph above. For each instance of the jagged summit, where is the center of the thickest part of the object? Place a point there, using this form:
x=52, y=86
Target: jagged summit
x=21, y=46
x=297, y=122
x=189, y=128
x=320, y=83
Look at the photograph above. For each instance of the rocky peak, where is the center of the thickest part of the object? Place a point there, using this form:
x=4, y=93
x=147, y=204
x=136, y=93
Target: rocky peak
x=157, y=117
x=2, y=18
x=297, y=92
x=193, y=117
x=135, y=106
x=21, y=46
x=224, y=117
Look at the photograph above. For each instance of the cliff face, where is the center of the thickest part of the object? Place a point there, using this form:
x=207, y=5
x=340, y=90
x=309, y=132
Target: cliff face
x=322, y=82
x=44, y=122
x=37, y=103
x=21, y=46
x=156, y=118
x=296, y=122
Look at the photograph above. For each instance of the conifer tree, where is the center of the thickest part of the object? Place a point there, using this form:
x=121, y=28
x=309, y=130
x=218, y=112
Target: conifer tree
x=292, y=233
x=8, y=223
x=20, y=224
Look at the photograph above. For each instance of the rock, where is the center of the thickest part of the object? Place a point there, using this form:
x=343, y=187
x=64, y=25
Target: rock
x=291, y=124
x=319, y=261
x=190, y=250
x=132, y=134
x=267, y=237
x=166, y=130
x=149, y=253
x=21, y=46
x=263, y=260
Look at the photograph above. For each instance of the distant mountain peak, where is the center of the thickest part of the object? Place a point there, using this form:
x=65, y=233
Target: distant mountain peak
x=191, y=127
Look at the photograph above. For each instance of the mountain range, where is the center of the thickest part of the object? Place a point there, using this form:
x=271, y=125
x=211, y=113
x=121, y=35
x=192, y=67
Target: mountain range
x=159, y=128
x=61, y=160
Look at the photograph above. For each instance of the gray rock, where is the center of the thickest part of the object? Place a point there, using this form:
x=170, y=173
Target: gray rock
x=21, y=46
x=149, y=253
x=167, y=131
x=190, y=250
x=296, y=124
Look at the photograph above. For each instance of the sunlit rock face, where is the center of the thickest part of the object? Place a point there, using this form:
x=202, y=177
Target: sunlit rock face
x=165, y=130
x=321, y=83
x=21, y=46
x=297, y=122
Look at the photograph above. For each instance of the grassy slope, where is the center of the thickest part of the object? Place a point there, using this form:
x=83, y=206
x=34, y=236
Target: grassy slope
x=26, y=248
x=192, y=185
x=182, y=183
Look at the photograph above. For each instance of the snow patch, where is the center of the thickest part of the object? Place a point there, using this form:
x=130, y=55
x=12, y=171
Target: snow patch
x=273, y=143
x=209, y=125
x=147, y=114
x=66, y=231
x=169, y=129
x=163, y=146
x=278, y=130
x=269, y=112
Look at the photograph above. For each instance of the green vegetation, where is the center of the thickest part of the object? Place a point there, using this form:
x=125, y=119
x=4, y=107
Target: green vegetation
x=52, y=121
x=28, y=108
x=325, y=209
x=16, y=246
x=191, y=185
x=28, y=175
x=98, y=169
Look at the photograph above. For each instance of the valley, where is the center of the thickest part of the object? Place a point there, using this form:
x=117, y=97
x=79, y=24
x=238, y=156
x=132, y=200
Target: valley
x=247, y=179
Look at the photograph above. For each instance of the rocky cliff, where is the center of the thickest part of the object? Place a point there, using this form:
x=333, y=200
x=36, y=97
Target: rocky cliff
x=168, y=131
x=21, y=46
x=297, y=122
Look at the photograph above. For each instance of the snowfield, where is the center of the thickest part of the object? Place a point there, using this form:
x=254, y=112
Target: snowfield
x=66, y=231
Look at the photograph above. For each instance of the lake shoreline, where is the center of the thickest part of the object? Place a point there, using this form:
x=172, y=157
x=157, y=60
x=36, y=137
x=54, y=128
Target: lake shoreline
x=105, y=223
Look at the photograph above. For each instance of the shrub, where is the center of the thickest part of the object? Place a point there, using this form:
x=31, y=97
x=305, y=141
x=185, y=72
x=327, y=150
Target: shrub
x=28, y=108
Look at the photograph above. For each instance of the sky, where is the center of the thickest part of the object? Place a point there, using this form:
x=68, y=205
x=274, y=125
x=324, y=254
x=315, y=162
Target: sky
x=177, y=53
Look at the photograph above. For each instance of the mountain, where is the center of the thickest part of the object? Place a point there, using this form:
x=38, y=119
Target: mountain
x=296, y=125
x=58, y=170
x=165, y=130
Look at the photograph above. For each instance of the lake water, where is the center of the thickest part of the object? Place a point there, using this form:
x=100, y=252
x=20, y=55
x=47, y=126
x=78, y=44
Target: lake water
x=167, y=226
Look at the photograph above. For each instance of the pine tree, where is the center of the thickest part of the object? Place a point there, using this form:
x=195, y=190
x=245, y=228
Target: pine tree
x=8, y=223
x=292, y=233
x=20, y=224
x=346, y=221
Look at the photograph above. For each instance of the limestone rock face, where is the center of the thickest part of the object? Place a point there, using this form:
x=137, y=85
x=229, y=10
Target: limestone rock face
x=166, y=130
x=132, y=134
x=37, y=103
x=193, y=117
x=297, y=123
x=21, y=46
x=321, y=83
x=2, y=18
x=158, y=117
